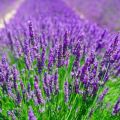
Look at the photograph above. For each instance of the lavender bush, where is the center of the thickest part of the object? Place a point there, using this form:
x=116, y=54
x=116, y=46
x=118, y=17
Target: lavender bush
x=57, y=66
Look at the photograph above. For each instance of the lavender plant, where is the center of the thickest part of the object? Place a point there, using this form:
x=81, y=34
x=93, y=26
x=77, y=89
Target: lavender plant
x=57, y=65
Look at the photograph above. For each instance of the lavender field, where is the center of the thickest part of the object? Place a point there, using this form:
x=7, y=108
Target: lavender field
x=55, y=65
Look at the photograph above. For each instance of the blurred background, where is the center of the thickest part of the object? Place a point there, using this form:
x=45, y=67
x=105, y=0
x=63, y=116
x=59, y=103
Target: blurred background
x=103, y=12
x=8, y=8
x=5, y=6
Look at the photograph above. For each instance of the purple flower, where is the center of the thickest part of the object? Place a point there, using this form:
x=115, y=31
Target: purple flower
x=50, y=79
x=36, y=79
x=65, y=44
x=31, y=34
x=15, y=77
x=41, y=61
x=50, y=59
x=59, y=55
x=28, y=87
x=2, y=78
x=46, y=85
x=39, y=64
x=56, y=82
x=18, y=98
x=101, y=97
x=10, y=40
x=27, y=63
x=26, y=48
x=116, y=107
x=76, y=86
x=66, y=91
x=4, y=60
x=38, y=93
x=31, y=115
x=18, y=48
x=21, y=85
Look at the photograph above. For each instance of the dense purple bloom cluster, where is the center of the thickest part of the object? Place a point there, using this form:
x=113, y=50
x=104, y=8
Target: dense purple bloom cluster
x=44, y=41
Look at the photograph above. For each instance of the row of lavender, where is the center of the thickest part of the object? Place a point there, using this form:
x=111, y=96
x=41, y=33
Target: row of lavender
x=57, y=60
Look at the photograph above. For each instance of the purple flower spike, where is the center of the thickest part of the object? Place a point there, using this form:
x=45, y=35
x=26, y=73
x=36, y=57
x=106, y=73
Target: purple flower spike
x=51, y=59
x=15, y=77
x=10, y=40
x=2, y=78
x=60, y=56
x=56, y=82
x=45, y=85
x=41, y=61
x=38, y=93
x=116, y=108
x=4, y=60
x=18, y=98
x=77, y=86
x=31, y=115
x=36, y=79
x=31, y=32
x=21, y=85
x=65, y=44
x=26, y=48
x=66, y=91
x=28, y=87
x=101, y=97
x=39, y=64
x=28, y=66
x=18, y=48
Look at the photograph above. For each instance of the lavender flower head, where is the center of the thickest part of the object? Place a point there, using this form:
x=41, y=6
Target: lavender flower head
x=66, y=91
x=38, y=93
x=31, y=115
x=116, y=108
x=31, y=34
x=101, y=97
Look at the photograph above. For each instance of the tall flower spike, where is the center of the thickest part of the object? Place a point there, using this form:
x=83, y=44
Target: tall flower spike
x=46, y=85
x=60, y=55
x=38, y=93
x=101, y=97
x=21, y=85
x=18, y=97
x=41, y=61
x=2, y=78
x=26, y=48
x=4, y=61
x=39, y=64
x=51, y=59
x=31, y=34
x=56, y=84
x=10, y=40
x=43, y=56
x=76, y=86
x=51, y=83
x=31, y=115
x=65, y=43
x=36, y=79
x=15, y=77
x=66, y=91
x=116, y=108
x=18, y=48
x=28, y=88
x=28, y=66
